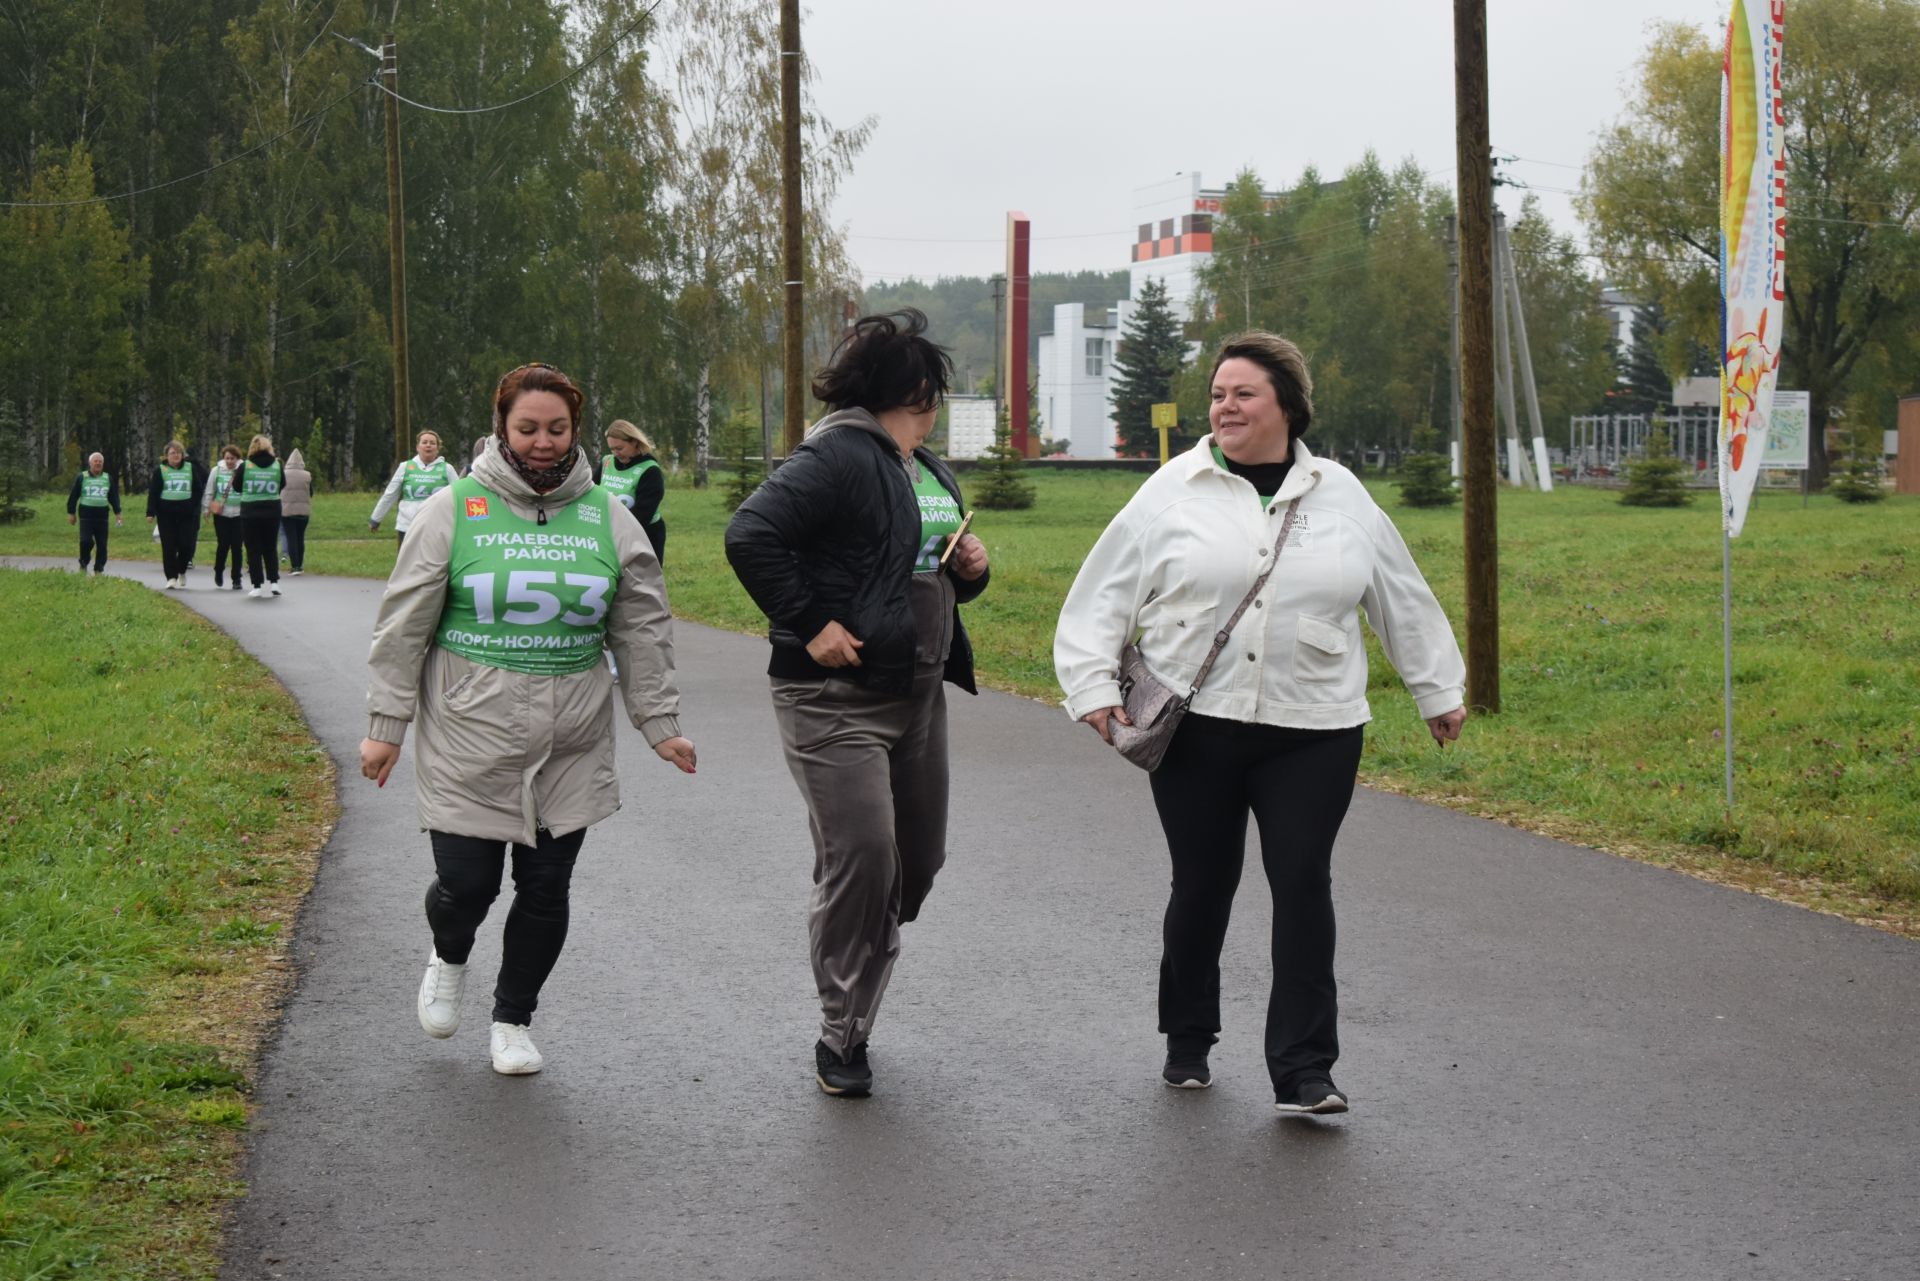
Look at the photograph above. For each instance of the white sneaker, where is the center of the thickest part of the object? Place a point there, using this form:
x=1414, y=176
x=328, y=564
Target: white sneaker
x=171, y=584
x=257, y=593
x=273, y=589
x=297, y=573
x=439, y=1002
x=513, y=1051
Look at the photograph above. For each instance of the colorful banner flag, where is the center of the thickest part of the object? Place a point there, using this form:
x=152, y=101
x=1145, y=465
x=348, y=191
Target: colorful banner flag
x=1753, y=245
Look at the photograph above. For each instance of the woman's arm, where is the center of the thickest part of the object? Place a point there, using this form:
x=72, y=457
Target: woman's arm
x=1098, y=619
x=640, y=633
x=388, y=496
x=648, y=493
x=153, y=495
x=409, y=616
x=778, y=521
x=1412, y=628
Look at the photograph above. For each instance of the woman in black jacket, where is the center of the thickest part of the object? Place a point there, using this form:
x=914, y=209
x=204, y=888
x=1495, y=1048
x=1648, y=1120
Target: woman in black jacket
x=257, y=482
x=634, y=477
x=173, y=504
x=854, y=551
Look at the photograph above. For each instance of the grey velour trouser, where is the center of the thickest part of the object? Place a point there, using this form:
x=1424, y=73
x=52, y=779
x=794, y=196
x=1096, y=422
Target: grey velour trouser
x=873, y=771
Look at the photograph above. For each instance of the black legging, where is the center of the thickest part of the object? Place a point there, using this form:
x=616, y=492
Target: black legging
x=1297, y=784
x=295, y=528
x=226, y=541
x=468, y=871
x=260, y=526
x=93, y=540
x=177, y=529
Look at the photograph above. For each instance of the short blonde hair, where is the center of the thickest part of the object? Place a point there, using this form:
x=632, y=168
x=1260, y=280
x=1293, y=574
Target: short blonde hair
x=258, y=443
x=437, y=443
x=171, y=446
x=627, y=431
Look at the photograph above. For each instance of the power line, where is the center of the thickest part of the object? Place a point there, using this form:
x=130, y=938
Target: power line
x=304, y=121
x=198, y=173
x=586, y=62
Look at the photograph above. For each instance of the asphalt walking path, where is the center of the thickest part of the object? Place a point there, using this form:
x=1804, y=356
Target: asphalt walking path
x=1563, y=1064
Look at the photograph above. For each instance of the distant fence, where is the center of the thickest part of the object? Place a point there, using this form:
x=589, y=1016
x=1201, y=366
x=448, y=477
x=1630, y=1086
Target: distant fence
x=1601, y=445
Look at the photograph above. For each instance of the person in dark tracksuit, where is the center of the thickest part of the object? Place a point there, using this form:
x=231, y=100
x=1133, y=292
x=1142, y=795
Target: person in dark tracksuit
x=94, y=491
x=256, y=487
x=225, y=511
x=846, y=548
x=173, y=504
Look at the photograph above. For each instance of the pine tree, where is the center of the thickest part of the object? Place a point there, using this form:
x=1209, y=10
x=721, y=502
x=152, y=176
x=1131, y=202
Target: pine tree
x=15, y=482
x=1645, y=387
x=1657, y=478
x=748, y=470
x=1151, y=352
x=1003, y=484
x=1426, y=478
x=1859, y=478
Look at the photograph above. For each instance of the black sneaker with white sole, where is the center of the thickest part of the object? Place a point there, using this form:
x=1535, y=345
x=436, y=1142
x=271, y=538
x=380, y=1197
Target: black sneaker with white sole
x=1185, y=1071
x=1316, y=1095
x=845, y=1078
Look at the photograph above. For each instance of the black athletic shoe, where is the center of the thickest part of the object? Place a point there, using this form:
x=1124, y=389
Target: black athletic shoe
x=1315, y=1094
x=848, y=1078
x=1186, y=1071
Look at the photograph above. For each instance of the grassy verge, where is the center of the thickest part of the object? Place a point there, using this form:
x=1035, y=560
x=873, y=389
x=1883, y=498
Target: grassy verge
x=160, y=804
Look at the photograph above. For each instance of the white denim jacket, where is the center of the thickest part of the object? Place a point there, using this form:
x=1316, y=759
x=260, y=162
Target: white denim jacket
x=1182, y=553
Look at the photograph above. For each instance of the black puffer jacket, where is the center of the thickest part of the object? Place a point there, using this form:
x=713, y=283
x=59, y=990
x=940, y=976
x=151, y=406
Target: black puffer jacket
x=831, y=537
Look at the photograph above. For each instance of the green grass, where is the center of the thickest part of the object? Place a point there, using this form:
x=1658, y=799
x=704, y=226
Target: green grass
x=160, y=802
x=1611, y=662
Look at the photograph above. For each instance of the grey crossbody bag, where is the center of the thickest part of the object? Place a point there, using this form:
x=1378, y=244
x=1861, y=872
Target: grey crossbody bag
x=1154, y=707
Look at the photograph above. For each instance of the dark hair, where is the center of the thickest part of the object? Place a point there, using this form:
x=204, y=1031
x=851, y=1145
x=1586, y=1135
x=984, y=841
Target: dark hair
x=533, y=377
x=885, y=363
x=1286, y=369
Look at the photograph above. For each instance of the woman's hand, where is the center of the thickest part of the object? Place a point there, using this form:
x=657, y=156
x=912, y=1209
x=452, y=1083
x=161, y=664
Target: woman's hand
x=969, y=559
x=1098, y=719
x=377, y=759
x=1445, y=727
x=373, y=527
x=678, y=751
x=835, y=647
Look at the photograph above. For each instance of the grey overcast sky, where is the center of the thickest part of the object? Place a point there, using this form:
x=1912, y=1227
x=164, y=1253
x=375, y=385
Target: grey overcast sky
x=1060, y=108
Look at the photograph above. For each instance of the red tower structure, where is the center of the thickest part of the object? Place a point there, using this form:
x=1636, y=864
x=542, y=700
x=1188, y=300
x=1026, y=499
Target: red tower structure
x=1014, y=361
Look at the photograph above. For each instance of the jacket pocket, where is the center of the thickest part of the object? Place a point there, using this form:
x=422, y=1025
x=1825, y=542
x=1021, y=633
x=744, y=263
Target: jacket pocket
x=1177, y=643
x=1319, y=651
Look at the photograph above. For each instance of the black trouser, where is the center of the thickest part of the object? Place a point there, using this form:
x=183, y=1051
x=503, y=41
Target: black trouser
x=177, y=529
x=468, y=871
x=226, y=540
x=260, y=527
x=295, y=528
x=657, y=535
x=1298, y=784
x=93, y=540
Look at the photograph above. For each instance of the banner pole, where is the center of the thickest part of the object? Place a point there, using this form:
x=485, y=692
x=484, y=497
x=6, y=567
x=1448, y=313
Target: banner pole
x=1726, y=638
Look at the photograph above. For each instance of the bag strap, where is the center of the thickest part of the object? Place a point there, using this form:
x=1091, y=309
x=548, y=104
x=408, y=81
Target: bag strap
x=1225, y=633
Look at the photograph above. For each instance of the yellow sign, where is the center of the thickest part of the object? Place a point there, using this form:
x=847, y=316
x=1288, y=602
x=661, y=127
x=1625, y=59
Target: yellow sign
x=1166, y=415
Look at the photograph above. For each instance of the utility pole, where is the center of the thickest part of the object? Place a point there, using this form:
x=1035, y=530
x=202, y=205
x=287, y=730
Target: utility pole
x=793, y=420
x=1479, y=487
x=397, y=255
x=1453, y=352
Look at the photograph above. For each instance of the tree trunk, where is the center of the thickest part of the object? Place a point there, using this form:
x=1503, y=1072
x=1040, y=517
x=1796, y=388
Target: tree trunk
x=702, y=427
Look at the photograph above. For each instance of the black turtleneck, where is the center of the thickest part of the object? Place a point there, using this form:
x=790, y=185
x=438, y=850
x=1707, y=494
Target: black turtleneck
x=1266, y=478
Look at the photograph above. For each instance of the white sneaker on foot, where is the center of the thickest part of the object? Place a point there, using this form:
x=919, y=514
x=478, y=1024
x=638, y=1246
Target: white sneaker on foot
x=513, y=1051
x=257, y=593
x=171, y=584
x=273, y=589
x=439, y=1002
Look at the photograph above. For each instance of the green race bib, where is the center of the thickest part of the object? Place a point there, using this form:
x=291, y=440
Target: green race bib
x=93, y=489
x=422, y=483
x=622, y=484
x=262, y=484
x=176, y=483
x=939, y=520
x=528, y=597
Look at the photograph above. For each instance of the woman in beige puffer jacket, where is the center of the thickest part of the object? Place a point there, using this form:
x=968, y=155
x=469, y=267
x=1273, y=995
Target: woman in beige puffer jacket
x=489, y=640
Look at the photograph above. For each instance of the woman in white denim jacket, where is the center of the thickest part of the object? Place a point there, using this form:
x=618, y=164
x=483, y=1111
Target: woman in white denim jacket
x=1276, y=729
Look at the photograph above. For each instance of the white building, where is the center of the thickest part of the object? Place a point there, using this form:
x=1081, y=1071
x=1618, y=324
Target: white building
x=969, y=426
x=1075, y=378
